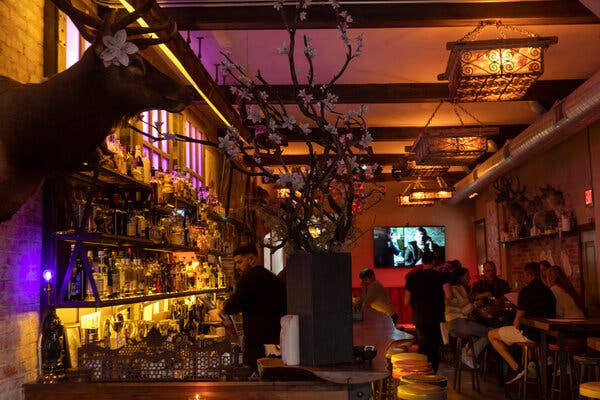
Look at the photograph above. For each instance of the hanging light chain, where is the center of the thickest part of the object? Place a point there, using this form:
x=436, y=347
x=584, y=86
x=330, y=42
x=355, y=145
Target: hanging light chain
x=500, y=27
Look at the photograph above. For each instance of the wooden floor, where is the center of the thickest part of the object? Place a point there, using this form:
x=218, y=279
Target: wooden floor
x=490, y=390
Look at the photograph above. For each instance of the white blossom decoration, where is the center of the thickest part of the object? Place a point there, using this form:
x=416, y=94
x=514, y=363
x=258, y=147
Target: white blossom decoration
x=117, y=49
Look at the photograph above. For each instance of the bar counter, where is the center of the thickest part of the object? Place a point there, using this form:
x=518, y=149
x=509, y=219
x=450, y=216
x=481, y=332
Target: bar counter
x=278, y=382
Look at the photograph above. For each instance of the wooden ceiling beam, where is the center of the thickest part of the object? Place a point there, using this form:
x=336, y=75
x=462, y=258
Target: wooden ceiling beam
x=247, y=16
x=542, y=91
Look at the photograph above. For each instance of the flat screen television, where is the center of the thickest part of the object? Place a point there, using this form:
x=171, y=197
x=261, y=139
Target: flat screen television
x=403, y=246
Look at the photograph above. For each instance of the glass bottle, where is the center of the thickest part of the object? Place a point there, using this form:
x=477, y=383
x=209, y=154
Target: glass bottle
x=100, y=276
x=138, y=164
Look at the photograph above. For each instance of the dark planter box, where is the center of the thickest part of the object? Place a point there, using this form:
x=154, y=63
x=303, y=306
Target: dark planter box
x=319, y=290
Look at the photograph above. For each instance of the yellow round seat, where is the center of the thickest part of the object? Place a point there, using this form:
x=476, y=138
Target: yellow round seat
x=408, y=356
x=590, y=389
x=430, y=379
x=421, y=391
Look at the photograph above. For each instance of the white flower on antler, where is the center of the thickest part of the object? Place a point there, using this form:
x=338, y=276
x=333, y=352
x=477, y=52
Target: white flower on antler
x=117, y=49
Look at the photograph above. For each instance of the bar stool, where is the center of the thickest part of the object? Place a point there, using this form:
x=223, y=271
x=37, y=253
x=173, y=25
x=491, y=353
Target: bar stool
x=591, y=390
x=421, y=391
x=385, y=389
x=572, y=346
x=466, y=341
x=588, y=367
x=438, y=380
x=525, y=347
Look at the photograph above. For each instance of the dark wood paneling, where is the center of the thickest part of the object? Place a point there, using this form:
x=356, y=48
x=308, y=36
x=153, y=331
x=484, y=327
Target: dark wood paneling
x=543, y=91
x=383, y=15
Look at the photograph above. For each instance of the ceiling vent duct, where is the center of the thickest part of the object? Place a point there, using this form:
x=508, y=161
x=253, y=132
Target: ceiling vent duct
x=569, y=116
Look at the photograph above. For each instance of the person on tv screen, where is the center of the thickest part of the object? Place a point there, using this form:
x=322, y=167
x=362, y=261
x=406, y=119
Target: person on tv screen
x=387, y=250
x=413, y=254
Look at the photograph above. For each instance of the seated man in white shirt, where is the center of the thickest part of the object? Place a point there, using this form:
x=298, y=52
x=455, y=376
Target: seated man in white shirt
x=375, y=296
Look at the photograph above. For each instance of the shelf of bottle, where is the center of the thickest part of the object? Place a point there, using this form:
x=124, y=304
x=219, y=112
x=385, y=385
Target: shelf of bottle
x=179, y=203
x=540, y=236
x=136, y=299
x=107, y=239
x=115, y=178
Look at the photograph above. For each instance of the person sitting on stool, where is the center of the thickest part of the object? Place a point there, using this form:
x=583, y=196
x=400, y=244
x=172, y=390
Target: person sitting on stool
x=535, y=300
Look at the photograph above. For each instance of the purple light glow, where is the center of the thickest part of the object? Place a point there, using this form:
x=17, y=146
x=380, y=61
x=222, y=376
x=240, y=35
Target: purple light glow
x=47, y=275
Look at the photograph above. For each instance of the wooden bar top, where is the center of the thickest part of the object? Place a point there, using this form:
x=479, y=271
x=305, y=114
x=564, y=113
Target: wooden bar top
x=374, y=329
x=327, y=382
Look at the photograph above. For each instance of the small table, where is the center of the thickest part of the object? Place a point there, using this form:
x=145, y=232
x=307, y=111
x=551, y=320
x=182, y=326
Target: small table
x=561, y=328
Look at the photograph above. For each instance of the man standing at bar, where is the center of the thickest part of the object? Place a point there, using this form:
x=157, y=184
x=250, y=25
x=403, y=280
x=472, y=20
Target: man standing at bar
x=426, y=290
x=535, y=300
x=260, y=296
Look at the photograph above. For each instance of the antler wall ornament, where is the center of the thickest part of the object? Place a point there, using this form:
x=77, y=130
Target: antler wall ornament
x=56, y=125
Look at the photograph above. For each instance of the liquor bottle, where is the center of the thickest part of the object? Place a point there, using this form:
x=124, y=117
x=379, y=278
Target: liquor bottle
x=129, y=163
x=146, y=165
x=75, y=289
x=138, y=164
x=131, y=220
x=115, y=274
x=100, y=276
x=221, y=277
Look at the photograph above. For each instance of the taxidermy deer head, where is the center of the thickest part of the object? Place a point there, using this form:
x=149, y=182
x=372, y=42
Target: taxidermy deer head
x=57, y=124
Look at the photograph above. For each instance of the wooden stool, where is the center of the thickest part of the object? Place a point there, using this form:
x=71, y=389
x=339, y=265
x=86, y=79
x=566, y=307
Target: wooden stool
x=525, y=347
x=589, y=368
x=591, y=390
x=572, y=346
x=421, y=391
x=463, y=340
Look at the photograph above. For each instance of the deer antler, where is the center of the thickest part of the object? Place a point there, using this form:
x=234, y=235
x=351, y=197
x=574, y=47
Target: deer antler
x=170, y=27
x=132, y=16
x=87, y=24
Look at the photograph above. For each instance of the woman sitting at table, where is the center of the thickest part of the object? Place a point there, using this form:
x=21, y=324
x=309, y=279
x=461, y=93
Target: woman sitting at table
x=567, y=300
x=458, y=309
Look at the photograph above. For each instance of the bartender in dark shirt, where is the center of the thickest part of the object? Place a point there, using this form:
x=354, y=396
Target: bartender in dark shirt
x=488, y=287
x=260, y=296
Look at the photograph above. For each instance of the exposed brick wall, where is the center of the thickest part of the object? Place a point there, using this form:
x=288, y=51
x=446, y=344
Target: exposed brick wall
x=564, y=251
x=21, y=58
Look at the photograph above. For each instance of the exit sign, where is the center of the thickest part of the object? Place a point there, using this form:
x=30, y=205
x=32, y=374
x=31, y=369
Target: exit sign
x=589, y=198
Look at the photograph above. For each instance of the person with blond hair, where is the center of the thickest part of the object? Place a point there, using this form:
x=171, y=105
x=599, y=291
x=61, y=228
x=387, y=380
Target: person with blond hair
x=567, y=301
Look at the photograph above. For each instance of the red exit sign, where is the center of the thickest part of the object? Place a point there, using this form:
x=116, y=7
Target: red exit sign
x=589, y=198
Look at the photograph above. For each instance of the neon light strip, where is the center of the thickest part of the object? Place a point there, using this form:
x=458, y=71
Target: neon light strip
x=176, y=63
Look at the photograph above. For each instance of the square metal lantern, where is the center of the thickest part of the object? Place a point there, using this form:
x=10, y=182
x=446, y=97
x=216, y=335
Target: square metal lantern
x=494, y=70
x=454, y=146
